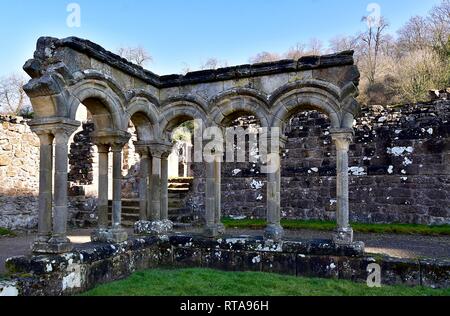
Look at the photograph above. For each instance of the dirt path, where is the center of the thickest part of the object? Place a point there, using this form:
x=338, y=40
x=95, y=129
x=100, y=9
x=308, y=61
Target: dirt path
x=400, y=246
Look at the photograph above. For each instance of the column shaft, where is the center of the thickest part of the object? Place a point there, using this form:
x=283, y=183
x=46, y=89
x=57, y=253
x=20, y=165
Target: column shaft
x=103, y=165
x=344, y=232
x=61, y=200
x=117, y=188
x=143, y=184
x=149, y=188
x=274, y=230
x=342, y=189
x=155, y=211
x=164, y=188
x=273, y=198
x=210, y=205
x=45, y=187
x=218, y=194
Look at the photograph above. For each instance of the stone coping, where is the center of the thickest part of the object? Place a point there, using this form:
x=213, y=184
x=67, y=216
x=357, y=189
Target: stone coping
x=236, y=72
x=92, y=252
x=95, y=263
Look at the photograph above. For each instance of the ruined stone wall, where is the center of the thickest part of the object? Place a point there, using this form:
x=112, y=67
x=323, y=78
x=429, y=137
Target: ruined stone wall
x=93, y=264
x=399, y=167
x=19, y=174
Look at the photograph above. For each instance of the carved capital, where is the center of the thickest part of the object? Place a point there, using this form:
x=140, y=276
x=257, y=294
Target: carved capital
x=103, y=148
x=342, y=138
x=142, y=149
x=115, y=139
x=45, y=138
x=60, y=128
x=160, y=150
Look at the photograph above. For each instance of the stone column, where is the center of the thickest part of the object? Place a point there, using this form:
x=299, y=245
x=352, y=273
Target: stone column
x=45, y=189
x=118, y=234
x=149, y=187
x=218, y=194
x=165, y=186
x=102, y=207
x=155, y=210
x=143, y=183
x=157, y=222
x=59, y=243
x=344, y=233
x=211, y=230
x=274, y=230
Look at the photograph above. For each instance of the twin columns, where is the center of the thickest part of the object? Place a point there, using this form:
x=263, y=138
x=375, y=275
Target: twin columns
x=153, y=189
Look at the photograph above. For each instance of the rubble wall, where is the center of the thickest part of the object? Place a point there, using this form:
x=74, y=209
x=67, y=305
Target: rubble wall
x=94, y=264
x=19, y=174
x=399, y=169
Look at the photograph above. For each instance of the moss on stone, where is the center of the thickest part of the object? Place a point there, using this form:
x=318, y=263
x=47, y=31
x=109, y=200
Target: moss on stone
x=6, y=232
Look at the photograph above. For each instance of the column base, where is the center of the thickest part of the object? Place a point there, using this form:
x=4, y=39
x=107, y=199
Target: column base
x=343, y=236
x=274, y=232
x=40, y=247
x=110, y=236
x=214, y=231
x=155, y=228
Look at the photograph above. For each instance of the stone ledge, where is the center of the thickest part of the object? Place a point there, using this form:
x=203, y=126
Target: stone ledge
x=93, y=264
x=237, y=72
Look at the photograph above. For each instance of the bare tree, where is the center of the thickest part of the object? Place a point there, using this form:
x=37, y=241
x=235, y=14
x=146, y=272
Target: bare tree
x=315, y=47
x=213, y=63
x=296, y=52
x=371, y=47
x=439, y=20
x=137, y=55
x=264, y=57
x=343, y=43
x=415, y=34
x=13, y=99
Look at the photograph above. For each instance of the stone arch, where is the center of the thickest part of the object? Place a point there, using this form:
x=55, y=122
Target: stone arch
x=242, y=100
x=307, y=95
x=105, y=105
x=145, y=117
x=178, y=112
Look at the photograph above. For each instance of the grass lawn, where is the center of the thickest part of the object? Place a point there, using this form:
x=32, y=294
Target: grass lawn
x=205, y=282
x=6, y=232
x=408, y=229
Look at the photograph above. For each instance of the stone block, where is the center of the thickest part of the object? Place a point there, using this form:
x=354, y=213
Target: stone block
x=247, y=261
x=187, y=257
x=435, y=273
x=218, y=259
x=281, y=263
x=317, y=266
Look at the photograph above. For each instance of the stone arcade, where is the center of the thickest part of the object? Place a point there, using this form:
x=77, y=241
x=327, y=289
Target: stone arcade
x=69, y=72
x=72, y=71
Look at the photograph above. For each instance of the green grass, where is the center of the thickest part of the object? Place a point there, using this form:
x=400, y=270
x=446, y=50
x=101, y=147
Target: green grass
x=408, y=229
x=6, y=232
x=205, y=282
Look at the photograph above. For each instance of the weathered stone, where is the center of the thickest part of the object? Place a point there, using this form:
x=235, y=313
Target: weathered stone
x=153, y=228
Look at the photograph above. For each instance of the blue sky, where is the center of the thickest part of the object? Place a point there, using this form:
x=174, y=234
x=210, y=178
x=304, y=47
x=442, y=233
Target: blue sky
x=187, y=32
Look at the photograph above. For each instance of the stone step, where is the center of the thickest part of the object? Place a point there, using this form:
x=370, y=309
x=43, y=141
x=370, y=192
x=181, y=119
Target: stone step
x=128, y=209
x=179, y=186
x=182, y=225
x=128, y=220
x=181, y=180
x=179, y=190
x=127, y=202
